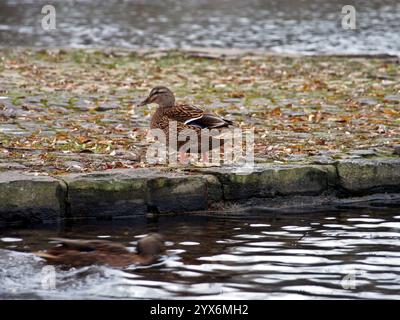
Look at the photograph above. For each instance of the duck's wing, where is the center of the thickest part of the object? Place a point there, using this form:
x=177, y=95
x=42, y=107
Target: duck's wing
x=193, y=116
x=184, y=113
x=87, y=246
x=210, y=121
x=74, y=258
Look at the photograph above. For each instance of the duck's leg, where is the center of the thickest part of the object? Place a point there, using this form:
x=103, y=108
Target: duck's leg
x=183, y=159
x=205, y=157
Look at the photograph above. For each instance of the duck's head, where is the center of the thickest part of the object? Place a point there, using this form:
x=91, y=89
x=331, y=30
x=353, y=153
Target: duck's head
x=160, y=95
x=151, y=246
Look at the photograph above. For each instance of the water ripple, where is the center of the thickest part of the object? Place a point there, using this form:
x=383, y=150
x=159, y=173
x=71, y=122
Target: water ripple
x=293, y=257
x=308, y=26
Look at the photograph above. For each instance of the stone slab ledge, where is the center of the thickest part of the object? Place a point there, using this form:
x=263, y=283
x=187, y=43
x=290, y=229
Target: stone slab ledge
x=28, y=197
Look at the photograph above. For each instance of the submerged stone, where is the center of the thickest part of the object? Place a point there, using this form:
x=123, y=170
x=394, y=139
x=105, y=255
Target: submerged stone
x=393, y=98
x=107, y=106
x=367, y=101
x=363, y=153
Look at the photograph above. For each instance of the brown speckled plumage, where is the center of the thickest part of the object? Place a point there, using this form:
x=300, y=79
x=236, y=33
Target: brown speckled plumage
x=79, y=253
x=186, y=116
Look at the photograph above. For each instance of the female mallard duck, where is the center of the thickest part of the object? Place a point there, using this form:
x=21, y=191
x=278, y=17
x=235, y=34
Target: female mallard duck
x=80, y=253
x=186, y=116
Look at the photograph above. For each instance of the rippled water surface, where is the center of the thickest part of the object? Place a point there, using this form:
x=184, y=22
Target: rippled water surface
x=307, y=26
x=326, y=255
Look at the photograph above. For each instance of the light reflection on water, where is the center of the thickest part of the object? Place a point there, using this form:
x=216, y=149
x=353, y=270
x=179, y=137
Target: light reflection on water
x=307, y=26
x=295, y=256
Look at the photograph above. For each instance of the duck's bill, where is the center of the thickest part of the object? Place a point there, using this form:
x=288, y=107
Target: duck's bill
x=144, y=102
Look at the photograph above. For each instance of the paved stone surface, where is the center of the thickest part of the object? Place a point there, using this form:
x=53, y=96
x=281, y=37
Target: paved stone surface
x=58, y=106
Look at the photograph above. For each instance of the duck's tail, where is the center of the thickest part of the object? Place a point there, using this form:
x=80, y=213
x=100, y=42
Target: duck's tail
x=45, y=255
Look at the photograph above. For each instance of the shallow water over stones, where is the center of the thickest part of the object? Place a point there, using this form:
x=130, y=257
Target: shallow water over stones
x=342, y=254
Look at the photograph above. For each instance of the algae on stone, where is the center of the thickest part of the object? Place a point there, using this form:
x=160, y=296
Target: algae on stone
x=30, y=198
x=363, y=175
x=271, y=180
x=184, y=193
x=105, y=194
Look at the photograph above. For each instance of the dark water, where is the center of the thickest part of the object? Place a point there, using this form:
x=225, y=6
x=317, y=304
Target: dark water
x=347, y=254
x=307, y=26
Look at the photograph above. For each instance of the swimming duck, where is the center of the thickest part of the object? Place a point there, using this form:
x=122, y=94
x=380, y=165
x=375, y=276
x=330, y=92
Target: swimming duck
x=186, y=116
x=80, y=253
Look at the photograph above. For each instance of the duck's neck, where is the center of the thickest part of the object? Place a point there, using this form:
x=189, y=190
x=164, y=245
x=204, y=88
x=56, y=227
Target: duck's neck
x=157, y=117
x=167, y=101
